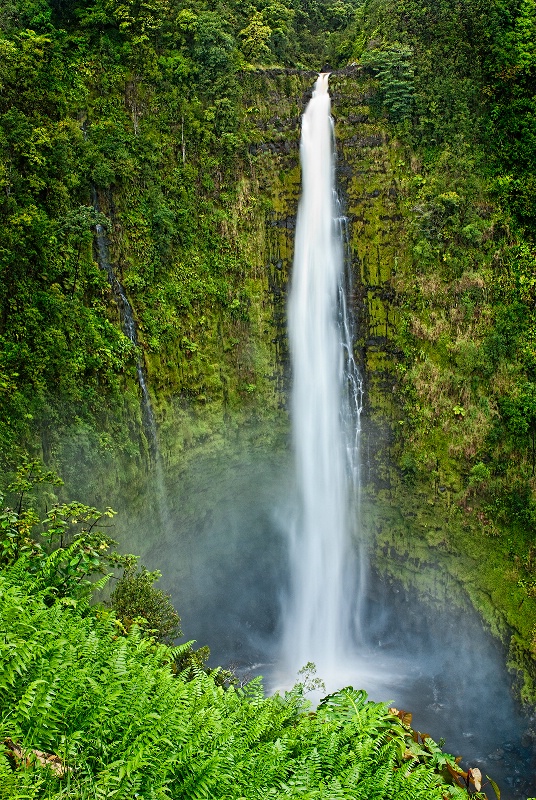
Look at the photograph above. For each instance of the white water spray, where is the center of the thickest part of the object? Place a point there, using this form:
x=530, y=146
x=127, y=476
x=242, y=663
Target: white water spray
x=326, y=405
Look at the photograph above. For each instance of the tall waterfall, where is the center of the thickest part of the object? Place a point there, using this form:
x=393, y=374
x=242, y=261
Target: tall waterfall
x=326, y=406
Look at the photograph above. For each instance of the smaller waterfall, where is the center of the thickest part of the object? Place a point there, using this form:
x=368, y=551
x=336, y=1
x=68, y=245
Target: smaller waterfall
x=327, y=397
x=353, y=389
x=129, y=327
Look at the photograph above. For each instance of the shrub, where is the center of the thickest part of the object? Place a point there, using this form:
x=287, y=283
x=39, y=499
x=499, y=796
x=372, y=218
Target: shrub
x=135, y=597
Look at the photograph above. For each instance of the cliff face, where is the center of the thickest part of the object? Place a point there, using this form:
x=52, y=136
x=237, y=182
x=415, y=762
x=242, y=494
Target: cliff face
x=424, y=526
x=203, y=247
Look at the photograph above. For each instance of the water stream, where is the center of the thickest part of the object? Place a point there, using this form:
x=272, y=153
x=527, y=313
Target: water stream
x=325, y=414
x=128, y=324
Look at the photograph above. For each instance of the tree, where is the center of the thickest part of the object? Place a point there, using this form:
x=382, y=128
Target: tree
x=519, y=415
x=63, y=549
x=394, y=71
x=213, y=48
x=255, y=37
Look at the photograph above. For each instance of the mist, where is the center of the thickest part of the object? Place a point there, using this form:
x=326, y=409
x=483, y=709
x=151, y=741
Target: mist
x=215, y=524
x=223, y=556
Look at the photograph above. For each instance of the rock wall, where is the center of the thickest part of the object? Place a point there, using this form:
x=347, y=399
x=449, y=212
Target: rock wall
x=418, y=533
x=221, y=379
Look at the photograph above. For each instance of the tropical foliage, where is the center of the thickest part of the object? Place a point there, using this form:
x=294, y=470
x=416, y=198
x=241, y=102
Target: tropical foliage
x=132, y=116
x=135, y=108
x=124, y=725
x=92, y=705
x=89, y=710
x=455, y=81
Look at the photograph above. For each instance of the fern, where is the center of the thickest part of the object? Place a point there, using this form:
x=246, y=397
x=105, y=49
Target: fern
x=17, y=785
x=110, y=706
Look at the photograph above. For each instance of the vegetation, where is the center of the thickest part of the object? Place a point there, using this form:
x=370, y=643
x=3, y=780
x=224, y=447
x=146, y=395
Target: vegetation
x=135, y=598
x=141, y=118
x=138, y=109
x=91, y=709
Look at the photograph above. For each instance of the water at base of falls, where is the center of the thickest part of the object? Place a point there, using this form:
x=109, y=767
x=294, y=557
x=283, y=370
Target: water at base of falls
x=317, y=617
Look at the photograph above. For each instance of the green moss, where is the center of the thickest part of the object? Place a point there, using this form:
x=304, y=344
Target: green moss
x=445, y=553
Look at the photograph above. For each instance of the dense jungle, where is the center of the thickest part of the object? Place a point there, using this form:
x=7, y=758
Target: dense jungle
x=149, y=182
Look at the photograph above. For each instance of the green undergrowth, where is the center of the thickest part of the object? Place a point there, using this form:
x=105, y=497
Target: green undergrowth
x=122, y=723
x=94, y=703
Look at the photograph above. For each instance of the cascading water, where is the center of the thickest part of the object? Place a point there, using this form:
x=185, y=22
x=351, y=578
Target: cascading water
x=326, y=405
x=129, y=327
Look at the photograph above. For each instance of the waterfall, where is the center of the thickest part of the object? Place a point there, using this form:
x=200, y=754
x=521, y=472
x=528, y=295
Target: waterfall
x=326, y=407
x=128, y=324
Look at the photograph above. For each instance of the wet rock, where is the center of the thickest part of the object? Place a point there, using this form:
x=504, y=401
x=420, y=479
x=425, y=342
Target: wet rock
x=365, y=141
x=358, y=119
